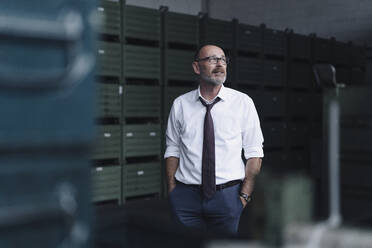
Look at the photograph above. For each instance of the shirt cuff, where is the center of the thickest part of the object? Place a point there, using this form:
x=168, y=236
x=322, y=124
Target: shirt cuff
x=172, y=151
x=253, y=152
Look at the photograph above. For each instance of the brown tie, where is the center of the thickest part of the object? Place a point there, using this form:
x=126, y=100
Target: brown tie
x=208, y=160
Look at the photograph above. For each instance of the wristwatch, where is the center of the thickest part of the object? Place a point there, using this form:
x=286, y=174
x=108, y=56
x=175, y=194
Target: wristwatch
x=246, y=197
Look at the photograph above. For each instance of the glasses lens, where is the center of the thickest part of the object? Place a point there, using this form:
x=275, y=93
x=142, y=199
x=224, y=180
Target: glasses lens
x=214, y=60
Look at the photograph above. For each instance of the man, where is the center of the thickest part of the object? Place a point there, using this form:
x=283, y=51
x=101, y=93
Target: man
x=208, y=183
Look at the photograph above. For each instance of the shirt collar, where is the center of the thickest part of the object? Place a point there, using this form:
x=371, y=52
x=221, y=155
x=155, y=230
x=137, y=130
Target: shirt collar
x=221, y=94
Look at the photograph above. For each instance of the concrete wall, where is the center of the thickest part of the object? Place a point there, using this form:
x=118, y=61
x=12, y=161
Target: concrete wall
x=192, y=7
x=344, y=19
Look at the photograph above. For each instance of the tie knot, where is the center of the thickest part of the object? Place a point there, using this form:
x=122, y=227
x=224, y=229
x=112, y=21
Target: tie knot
x=209, y=106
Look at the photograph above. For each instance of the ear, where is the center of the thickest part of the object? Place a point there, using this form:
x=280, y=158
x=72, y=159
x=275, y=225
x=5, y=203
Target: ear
x=196, y=68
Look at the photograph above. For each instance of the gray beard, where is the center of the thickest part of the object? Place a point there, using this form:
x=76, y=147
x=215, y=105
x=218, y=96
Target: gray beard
x=213, y=81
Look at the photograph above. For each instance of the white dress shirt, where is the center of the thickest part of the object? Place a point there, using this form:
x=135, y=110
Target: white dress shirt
x=236, y=126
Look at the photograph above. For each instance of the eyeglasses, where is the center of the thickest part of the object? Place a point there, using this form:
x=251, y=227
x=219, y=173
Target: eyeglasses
x=214, y=60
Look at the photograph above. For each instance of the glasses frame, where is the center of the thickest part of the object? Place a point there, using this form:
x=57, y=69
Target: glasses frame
x=217, y=59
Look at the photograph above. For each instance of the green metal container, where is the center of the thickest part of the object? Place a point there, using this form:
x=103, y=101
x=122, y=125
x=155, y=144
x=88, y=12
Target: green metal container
x=109, y=15
x=109, y=100
x=275, y=42
x=274, y=134
x=342, y=53
x=142, y=23
x=142, y=140
x=300, y=76
x=275, y=73
x=249, y=71
x=179, y=65
x=106, y=183
x=108, y=144
x=357, y=76
x=322, y=49
x=182, y=28
x=273, y=104
x=358, y=55
x=299, y=134
x=300, y=46
x=218, y=32
x=108, y=59
x=250, y=38
x=142, y=178
x=142, y=62
x=142, y=101
x=300, y=103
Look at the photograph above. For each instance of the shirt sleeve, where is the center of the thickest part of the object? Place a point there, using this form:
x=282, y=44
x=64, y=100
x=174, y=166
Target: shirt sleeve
x=172, y=136
x=251, y=134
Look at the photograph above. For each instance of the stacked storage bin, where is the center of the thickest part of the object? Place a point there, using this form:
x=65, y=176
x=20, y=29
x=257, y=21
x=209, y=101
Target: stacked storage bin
x=180, y=42
x=358, y=64
x=47, y=105
x=355, y=158
x=248, y=78
x=106, y=171
x=273, y=98
x=181, y=39
x=141, y=102
x=300, y=100
x=349, y=61
x=341, y=59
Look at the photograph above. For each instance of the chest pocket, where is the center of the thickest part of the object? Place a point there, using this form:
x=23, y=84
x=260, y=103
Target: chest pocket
x=227, y=126
x=192, y=126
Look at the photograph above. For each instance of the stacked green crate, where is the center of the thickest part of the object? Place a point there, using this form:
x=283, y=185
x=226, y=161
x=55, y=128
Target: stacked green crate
x=181, y=39
x=355, y=160
x=179, y=76
x=109, y=17
x=299, y=99
x=322, y=50
x=108, y=59
x=106, y=183
x=142, y=101
x=141, y=151
x=180, y=42
x=108, y=142
x=249, y=63
x=143, y=179
x=108, y=101
x=358, y=64
x=273, y=110
x=141, y=111
x=141, y=140
x=106, y=156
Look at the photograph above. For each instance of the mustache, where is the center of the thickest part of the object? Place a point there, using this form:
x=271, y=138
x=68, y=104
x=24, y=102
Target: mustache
x=218, y=70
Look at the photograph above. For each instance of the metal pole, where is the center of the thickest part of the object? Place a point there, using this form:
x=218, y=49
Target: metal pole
x=333, y=161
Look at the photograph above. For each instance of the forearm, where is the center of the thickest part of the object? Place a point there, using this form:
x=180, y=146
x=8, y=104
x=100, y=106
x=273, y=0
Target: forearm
x=171, y=166
x=252, y=169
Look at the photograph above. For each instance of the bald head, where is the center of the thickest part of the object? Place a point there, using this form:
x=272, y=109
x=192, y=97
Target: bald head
x=207, y=49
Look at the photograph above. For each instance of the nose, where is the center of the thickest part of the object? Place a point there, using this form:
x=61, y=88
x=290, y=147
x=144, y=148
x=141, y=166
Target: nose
x=220, y=62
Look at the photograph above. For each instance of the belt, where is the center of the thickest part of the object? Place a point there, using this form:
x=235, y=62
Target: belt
x=218, y=187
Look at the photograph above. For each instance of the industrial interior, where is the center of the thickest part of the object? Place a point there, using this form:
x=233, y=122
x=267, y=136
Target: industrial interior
x=86, y=90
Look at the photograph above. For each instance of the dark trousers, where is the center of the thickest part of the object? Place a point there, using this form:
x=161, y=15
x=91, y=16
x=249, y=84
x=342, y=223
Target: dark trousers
x=221, y=213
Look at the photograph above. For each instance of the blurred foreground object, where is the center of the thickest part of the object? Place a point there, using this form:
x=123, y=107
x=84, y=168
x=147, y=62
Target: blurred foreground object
x=46, y=129
x=325, y=75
